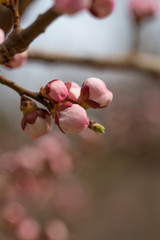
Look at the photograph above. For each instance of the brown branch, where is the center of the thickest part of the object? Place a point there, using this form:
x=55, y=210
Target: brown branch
x=19, y=40
x=140, y=61
x=22, y=91
x=16, y=16
x=6, y=18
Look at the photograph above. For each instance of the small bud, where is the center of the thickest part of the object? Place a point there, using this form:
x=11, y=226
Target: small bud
x=55, y=90
x=71, y=6
x=36, y=121
x=96, y=127
x=18, y=60
x=102, y=8
x=71, y=118
x=144, y=9
x=2, y=36
x=94, y=94
x=73, y=91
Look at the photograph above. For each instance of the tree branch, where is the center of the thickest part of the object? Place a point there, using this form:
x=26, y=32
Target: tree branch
x=140, y=61
x=16, y=16
x=6, y=18
x=22, y=91
x=19, y=40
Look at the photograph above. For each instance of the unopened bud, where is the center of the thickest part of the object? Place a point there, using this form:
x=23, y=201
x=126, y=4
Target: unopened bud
x=96, y=127
x=71, y=118
x=55, y=90
x=94, y=94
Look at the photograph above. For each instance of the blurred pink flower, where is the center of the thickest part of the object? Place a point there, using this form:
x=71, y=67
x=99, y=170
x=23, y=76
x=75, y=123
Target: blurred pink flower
x=144, y=8
x=18, y=60
x=57, y=230
x=102, y=8
x=2, y=36
x=14, y=213
x=71, y=6
x=28, y=229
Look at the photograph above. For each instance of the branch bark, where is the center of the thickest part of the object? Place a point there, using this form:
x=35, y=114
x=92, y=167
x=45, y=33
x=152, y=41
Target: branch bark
x=19, y=40
x=6, y=18
x=22, y=91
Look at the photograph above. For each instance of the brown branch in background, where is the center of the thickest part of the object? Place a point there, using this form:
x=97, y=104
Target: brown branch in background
x=140, y=61
x=19, y=40
x=22, y=91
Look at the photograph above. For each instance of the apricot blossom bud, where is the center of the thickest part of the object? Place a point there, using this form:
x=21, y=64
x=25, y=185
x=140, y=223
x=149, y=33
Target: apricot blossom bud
x=94, y=94
x=36, y=122
x=71, y=118
x=2, y=36
x=144, y=8
x=71, y=6
x=102, y=8
x=18, y=60
x=55, y=90
x=73, y=91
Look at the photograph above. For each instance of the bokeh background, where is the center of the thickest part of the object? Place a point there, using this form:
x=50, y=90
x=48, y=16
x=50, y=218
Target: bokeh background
x=86, y=186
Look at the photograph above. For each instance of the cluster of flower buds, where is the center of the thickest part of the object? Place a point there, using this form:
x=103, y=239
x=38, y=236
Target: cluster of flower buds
x=99, y=8
x=68, y=104
x=144, y=9
x=19, y=59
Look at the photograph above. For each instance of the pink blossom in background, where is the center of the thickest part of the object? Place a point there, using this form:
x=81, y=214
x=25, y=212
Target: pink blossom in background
x=2, y=36
x=102, y=8
x=14, y=213
x=95, y=94
x=144, y=8
x=59, y=160
x=71, y=118
x=55, y=90
x=18, y=60
x=37, y=123
x=30, y=158
x=71, y=6
x=73, y=91
x=71, y=198
x=28, y=229
x=57, y=230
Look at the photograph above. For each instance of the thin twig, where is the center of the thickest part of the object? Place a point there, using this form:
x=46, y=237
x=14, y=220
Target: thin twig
x=15, y=12
x=22, y=91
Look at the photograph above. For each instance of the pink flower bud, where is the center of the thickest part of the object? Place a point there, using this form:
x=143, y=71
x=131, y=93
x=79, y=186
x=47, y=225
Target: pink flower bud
x=73, y=91
x=2, y=36
x=71, y=118
x=94, y=94
x=144, y=8
x=102, y=8
x=37, y=123
x=18, y=60
x=71, y=6
x=55, y=90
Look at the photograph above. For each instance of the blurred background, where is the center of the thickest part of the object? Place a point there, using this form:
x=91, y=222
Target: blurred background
x=86, y=186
